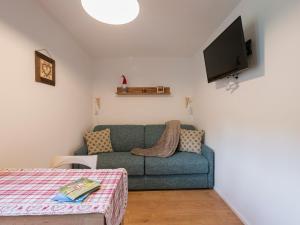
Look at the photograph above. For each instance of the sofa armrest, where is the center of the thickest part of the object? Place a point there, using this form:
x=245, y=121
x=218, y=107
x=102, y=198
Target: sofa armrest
x=209, y=154
x=82, y=151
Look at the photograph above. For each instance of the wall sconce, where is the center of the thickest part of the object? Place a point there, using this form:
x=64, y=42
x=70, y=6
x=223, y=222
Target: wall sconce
x=188, y=104
x=97, y=106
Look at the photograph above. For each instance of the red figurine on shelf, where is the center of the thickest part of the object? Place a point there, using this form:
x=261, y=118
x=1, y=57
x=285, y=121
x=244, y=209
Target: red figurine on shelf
x=124, y=83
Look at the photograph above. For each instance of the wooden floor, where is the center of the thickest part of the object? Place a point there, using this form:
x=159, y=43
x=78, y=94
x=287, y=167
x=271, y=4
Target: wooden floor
x=195, y=207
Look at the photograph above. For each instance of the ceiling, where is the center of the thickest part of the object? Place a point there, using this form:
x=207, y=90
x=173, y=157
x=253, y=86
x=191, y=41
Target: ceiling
x=164, y=28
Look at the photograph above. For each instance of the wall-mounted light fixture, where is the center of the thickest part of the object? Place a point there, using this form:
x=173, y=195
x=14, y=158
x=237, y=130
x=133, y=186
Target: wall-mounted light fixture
x=97, y=105
x=188, y=104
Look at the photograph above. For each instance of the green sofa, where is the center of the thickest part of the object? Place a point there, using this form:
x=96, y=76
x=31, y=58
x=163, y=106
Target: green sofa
x=183, y=170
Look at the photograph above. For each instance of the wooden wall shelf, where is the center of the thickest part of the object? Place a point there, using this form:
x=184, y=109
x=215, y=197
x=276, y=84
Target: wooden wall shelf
x=143, y=91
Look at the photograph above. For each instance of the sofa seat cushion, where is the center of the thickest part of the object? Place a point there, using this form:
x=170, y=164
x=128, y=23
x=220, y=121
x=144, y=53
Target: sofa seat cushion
x=113, y=160
x=179, y=163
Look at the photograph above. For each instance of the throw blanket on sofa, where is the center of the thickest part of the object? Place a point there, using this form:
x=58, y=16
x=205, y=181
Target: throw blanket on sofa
x=166, y=145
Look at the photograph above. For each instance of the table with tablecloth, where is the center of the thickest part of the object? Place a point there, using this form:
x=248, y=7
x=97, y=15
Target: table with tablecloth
x=27, y=193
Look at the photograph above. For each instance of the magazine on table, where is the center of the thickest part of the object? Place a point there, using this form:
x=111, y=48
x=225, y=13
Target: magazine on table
x=77, y=191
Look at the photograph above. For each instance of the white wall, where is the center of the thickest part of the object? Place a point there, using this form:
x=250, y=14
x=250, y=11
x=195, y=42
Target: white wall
x=255, y=130
x=38, y=121
x=173, y=72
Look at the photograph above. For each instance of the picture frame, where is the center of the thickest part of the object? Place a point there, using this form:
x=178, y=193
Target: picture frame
x=44, y=69
x=160, y=90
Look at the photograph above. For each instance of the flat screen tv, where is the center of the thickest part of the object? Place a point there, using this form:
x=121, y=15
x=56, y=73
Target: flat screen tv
x=227, y=54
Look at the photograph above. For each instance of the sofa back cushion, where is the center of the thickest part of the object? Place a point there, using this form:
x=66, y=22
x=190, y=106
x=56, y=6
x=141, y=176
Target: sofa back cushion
x=125, y=137
x=98, y=141
x=153, y=133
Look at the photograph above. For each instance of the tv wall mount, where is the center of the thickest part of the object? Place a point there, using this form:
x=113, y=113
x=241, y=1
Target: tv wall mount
x=249, y=52
x=248, y=47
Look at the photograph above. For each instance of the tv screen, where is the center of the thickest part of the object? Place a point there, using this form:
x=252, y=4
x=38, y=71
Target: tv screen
x=227, y=54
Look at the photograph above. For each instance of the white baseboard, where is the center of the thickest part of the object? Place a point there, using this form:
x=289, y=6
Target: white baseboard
x=237, y=213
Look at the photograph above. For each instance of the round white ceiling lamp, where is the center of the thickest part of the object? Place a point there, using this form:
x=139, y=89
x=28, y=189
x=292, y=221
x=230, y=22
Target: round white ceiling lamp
x=115, y=12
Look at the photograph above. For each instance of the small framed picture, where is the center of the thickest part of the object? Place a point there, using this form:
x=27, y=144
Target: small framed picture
x=160, y=90
x=44, y=69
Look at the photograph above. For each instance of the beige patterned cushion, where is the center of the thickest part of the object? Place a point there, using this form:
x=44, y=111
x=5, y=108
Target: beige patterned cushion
x=190, y=140
x=98, y=141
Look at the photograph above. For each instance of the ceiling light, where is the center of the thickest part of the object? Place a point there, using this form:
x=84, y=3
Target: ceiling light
x=114, y=12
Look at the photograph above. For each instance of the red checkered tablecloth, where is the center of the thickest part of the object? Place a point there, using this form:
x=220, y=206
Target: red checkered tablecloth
x=29, y=192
